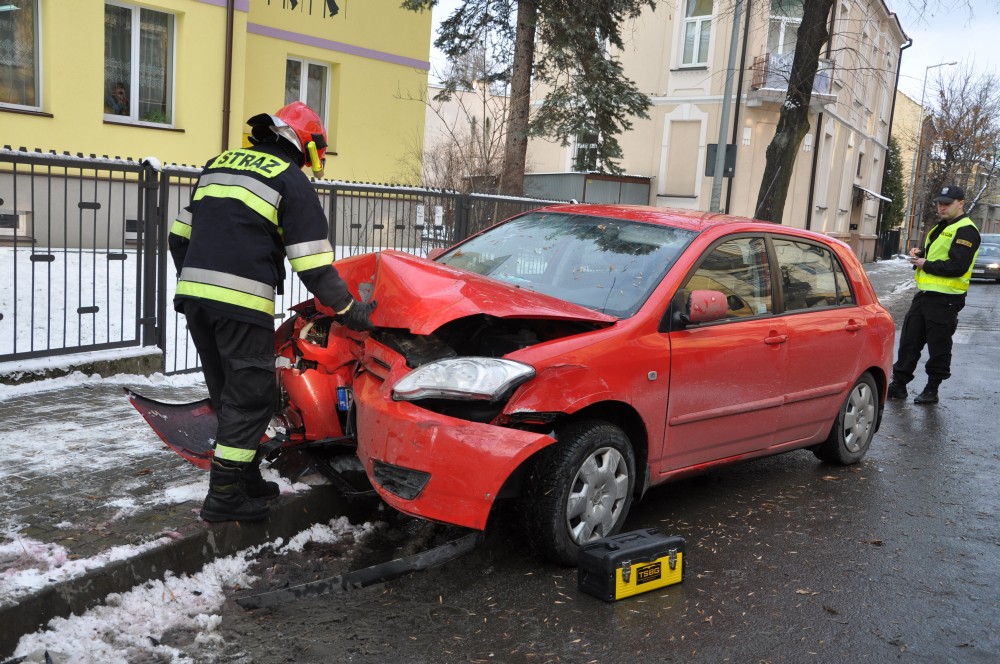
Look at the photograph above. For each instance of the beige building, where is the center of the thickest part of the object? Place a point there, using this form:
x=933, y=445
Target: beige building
x=678, y=54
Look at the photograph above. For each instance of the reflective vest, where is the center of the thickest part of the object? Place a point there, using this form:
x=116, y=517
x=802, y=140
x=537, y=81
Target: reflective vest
x=939, y=251
x=250, y=209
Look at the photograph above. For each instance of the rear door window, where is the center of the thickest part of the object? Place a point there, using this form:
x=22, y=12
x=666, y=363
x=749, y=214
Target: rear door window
x=811, y=276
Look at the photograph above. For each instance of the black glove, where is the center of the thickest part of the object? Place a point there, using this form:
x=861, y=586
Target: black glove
x=357, y=315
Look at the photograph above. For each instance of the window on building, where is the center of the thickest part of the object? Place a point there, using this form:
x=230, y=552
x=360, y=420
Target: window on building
x=682, y=164
x=307, y=82
x=585, y=153
x=19, y=79
x=138, y=64
x=783, y=28
x=697, y=29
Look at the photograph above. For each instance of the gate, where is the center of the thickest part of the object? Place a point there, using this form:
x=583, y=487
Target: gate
x=84, y=263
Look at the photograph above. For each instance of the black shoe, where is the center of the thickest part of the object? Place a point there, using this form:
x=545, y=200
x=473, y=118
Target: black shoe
x=929, y=395
x=232, y=506
x=227, y=499
x=896, y=390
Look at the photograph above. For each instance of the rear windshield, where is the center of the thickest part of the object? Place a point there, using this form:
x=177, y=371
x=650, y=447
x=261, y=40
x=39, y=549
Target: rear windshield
x=610, y=265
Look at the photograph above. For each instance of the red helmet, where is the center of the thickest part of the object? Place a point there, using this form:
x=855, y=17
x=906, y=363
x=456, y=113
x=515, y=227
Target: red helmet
x=301, y=126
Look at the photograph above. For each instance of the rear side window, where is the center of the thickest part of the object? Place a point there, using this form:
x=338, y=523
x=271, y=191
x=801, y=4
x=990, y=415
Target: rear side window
x=811, y=276
x=739, y=269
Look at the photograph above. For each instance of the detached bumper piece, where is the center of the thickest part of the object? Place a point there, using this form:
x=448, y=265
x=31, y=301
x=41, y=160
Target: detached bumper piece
x=399, y=481
x=630, y=563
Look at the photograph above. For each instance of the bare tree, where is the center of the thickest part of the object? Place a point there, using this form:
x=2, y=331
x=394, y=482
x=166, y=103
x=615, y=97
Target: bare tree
x=961, y=139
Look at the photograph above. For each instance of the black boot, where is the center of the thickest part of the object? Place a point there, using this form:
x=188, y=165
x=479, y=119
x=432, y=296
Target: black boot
x=930, y=393
x=227, y=500
x=897, y=390
x=255, y=485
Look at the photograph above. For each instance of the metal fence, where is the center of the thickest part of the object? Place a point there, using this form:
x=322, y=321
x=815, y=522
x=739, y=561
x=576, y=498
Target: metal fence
x=83, y=248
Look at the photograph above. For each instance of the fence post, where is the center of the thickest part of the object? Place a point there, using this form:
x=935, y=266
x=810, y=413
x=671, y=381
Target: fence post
x=463, y=207
x=153, y=256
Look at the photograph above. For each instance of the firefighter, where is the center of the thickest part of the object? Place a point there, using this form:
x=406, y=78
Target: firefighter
x=249, y=210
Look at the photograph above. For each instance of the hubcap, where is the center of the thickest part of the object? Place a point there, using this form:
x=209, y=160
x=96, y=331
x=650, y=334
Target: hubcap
x=859, y=417
x=597, y=495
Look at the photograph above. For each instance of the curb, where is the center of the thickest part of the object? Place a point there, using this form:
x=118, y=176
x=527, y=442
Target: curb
x=191, y=546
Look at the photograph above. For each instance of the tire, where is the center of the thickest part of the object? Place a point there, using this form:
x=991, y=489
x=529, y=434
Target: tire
x=854, y=427
x=579, y=489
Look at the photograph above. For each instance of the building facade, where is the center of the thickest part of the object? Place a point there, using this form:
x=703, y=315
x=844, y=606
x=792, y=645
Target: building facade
x=177, y=79
x=679, y=53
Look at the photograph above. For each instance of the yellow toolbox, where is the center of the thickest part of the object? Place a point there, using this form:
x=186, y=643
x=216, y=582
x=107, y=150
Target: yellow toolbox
x=630, y=563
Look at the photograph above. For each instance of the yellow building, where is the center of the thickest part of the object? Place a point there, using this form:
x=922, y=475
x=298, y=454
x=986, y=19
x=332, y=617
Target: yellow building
x=177, y=79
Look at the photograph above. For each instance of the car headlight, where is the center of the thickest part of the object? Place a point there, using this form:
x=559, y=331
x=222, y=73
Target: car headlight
x=467, y=378
x=992, y=266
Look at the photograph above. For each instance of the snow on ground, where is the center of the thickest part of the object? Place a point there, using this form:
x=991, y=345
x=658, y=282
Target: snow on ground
x=129, y=627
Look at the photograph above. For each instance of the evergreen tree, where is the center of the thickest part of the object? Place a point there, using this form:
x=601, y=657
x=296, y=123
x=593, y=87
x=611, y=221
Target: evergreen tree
x=587, y=90
x=892, y=188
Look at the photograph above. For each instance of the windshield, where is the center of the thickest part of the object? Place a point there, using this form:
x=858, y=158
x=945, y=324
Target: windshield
x=610, y=265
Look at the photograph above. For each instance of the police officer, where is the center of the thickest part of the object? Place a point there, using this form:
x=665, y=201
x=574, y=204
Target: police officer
x=943, y=273
x=249, y=210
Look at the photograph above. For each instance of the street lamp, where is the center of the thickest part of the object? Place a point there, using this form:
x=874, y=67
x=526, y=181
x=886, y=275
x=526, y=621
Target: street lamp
x=916, y=151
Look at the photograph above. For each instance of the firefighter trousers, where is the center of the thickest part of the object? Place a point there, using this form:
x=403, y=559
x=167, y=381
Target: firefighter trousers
x=237, y=359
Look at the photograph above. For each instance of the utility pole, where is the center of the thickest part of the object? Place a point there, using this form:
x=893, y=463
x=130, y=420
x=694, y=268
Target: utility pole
x=720, y=151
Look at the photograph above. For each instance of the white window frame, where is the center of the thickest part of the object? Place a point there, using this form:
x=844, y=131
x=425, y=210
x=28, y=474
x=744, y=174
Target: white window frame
x=136, y=45
x=323, y=113
x=37, y=44
x=20, y=230
x=579, y=145
x=696, y=23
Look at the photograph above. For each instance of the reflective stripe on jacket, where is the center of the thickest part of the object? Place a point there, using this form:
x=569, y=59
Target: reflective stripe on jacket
x=939, y=251
x=249, y=210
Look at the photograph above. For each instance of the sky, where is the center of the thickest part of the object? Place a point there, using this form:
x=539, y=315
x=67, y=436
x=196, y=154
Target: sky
x=949, y=31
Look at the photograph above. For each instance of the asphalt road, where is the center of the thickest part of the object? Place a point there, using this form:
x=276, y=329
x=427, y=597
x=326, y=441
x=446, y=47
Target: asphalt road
x=788, y=559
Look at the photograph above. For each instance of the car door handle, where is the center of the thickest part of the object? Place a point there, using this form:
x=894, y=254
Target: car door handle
x=776, y=339
x=853, y=326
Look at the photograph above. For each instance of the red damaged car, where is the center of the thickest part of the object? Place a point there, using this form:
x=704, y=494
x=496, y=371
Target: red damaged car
x=574, y=356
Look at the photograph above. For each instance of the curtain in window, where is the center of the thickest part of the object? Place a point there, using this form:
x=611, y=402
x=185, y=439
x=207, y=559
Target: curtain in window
x=316, y=89
x=155, y=58
x=293, y=80
x=18, y=60
x=117, y=59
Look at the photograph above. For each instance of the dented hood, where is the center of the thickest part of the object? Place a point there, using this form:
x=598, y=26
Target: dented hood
x=420, y=295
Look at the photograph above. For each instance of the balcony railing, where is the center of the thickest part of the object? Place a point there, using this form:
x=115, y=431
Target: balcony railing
x=772, y=71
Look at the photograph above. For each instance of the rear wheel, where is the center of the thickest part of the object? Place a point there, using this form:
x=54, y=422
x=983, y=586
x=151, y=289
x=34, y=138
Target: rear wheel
x=855, y=425
x=580, y=489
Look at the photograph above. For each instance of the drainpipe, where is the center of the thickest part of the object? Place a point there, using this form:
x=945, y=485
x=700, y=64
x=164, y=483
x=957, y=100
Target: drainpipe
x=819, y=129
x=228, y=79
x=739, y=95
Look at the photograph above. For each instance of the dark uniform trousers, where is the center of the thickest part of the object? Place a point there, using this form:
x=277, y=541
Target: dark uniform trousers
x=237, y=359
x=931, y=320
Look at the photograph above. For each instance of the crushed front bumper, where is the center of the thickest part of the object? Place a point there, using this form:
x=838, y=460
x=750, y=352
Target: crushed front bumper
x=439, y=468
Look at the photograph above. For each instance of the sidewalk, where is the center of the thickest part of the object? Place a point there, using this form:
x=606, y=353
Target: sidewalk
x=93, y=503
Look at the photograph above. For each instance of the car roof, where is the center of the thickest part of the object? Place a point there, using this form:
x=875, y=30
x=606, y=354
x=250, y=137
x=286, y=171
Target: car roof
x=694, y=220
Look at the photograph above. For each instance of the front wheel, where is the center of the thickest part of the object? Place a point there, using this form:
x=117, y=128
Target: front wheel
x=580, y=489
x=854, y=427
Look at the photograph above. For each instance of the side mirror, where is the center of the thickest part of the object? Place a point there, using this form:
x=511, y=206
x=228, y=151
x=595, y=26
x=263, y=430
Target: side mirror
x=705, y=306
x=435, y=252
